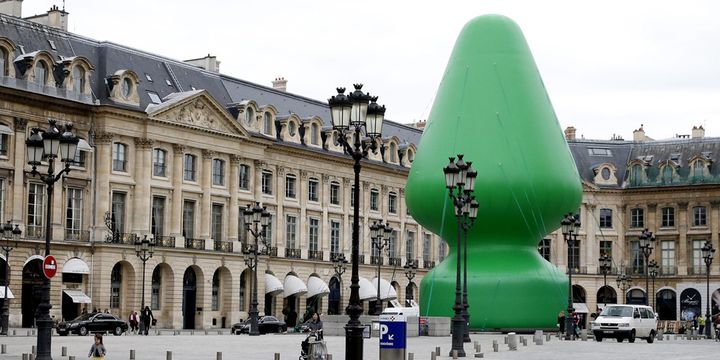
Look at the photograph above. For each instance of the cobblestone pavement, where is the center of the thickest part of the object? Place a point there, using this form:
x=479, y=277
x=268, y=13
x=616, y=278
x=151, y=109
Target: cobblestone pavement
x=200, y=346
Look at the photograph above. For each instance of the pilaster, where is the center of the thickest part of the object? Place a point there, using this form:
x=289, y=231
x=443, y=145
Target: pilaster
x=206, y=183
x=142, y=198
x=176, y=203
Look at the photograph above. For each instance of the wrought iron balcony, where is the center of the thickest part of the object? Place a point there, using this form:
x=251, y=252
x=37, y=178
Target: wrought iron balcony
x=668, y=270
x=34, y=232
x=376, y=260
x=272, y=251
x=315, y=255
x=165, y=241
x=361, y=258
x=428, y=264
x=395, y=261
x=121, y=238
x=77, y=235
x=293, y=253
x=334, y=255
x=197, y=244
x=223, y=246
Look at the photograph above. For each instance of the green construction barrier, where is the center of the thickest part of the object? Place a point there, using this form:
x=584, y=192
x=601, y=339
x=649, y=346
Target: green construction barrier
x=492, y=107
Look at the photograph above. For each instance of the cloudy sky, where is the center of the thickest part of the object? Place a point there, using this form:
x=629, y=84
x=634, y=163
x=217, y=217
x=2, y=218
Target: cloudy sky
x=609, y=66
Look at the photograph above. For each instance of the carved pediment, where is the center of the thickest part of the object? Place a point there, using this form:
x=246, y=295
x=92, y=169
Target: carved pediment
x=197, y=113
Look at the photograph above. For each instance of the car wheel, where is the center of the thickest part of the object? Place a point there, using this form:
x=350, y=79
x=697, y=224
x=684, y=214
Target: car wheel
x=83, y=331
x=62, y=333
x=118, y=331
x=598, y=337
x=651, y=338
x=620, y=339
x=632, y=336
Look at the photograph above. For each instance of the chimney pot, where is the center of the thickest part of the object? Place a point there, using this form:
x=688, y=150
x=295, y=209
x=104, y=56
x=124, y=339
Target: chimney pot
x=280, y=84
x=570, y=133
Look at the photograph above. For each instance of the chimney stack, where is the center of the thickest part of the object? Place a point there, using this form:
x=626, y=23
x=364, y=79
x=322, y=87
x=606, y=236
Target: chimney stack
x=639, y=134
x=570, y=133
x=280, y=84
x=55, y=17
x=698, y=132
x=209, y=63
x=11, y=7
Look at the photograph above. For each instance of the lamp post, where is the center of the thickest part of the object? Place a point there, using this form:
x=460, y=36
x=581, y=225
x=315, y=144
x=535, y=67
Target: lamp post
x=653, y=270
x=605, y=266
x=624, y=282
x=380, y=235
x=339, y=264
x=144, y=250
x=350, y=114
x=410, y=270
x=647, y=239
x=48, y=145
x=707, y=252
x=570, y=226
x=8, y=232
x=257, y=219
x=460, y=182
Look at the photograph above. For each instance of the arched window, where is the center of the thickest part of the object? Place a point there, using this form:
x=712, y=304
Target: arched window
x=159, y=164
x=314, y=134
x=156, y=283
x=393, y=152
x=115, y=286
x=667, y=174
x=41, y=70
x=605, y=173
x=698, y=168
x=636, y=175
x=4, y=62
x=126, y=87
x=267, y=124
x=243, y=286
x=216, y=291
x=291, y=128
x=249, y=115
x=78, y=74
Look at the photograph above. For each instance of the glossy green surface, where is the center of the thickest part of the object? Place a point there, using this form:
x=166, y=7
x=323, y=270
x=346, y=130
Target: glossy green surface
x=492, y=106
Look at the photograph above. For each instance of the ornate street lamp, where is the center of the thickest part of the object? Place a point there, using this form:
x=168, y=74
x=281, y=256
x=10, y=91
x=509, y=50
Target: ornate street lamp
x=8, y=233
x=339, y=264
x=605, y=266
x=410, y=270
x=144, y=250
x=570, y=226
x=380, y=236
x=647, y=239
x=653, y=269
x=48, y=146
x=624, y=282
x=460, y=182
x=707, y=253
x=350, y=114
x=256, y=219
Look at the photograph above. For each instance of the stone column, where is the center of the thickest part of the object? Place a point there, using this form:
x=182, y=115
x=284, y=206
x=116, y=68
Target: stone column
x=714, y=220
x=279, y=194
x=176, y=203
x=324, y=241
x=346, y=232
x=142, y=196
x=257, y=172
x=233, y=187
x=302, y=232
x=205, y=204
x=103, y=144
x=18, y=184
x=681, y=224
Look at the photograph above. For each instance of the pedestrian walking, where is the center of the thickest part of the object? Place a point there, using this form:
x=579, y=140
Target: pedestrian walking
x=146, y=318
x=701, y=325
x=134, y=321
x=97, y=350
x=561, y=321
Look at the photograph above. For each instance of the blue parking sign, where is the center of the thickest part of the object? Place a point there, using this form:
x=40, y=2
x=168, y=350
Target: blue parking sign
x=393, y=332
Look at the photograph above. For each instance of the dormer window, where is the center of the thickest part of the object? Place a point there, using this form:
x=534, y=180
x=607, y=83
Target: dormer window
x=605, y=173
x=267, y=123
x=78, y=74
x=41, y=71
x=291, y=128
x=126, y=88
x=393, y=152
x=636, y=175
x=249, y=115
x=4, y=62
x=667, y=174
x=698, y=168
x=315, y=134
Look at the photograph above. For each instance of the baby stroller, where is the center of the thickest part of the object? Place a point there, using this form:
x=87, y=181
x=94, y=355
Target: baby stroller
x=313, y=348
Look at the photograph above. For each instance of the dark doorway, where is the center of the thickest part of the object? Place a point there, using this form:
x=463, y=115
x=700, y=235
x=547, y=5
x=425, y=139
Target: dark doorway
x=636, y=297
x=715, y=303
x=189, y=298
x=334, y=297
x=32, y=281
x=269, y=304
x=690, y=304
x=290, y=311
x=312, y=305
x=69, y=308
x=606, y=295
x=666, y=305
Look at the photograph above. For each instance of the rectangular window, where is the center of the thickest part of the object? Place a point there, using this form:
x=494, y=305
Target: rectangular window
x=314, y=233
x=118, y=212
x=352, y=196
x=574, y=256
x=637, y=218
x=334, y=193
x=334, y=236
x=189, y=219
x=313, y=190
x=242, y=232
x=119, y=157
x=426, y=246
x=190, y=173
x=36, y=200
x=3, y=145
x=606, y=248
x=667, y=249
x=442, y=250
x=668, y=217
x=267, y=179
x=606, y=219
x=158, y=217
x=699, y=216
x=244, y=182
x=269, y=231
x=636, y=256
x=410, y=246
x=544, y=249
x=290, y=231
x=698, y=262
x=392, y=244
x=215, y=295
x=218, y=174
x=374, y=200
x=79, y=159
x=73, y=213
x=290, y=182
x=159, y=164
x=392, y=203
x=217, y=222
x=2, y=201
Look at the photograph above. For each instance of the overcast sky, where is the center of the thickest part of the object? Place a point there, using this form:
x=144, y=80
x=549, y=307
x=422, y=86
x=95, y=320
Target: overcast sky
x=609, y=66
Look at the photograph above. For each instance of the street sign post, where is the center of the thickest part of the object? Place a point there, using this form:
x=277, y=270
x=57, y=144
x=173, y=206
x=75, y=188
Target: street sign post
x=49, y=266
x=393, y=336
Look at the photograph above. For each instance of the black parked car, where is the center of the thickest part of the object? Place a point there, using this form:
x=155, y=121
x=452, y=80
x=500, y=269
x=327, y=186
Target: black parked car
x=266, y=324
x=93, y=323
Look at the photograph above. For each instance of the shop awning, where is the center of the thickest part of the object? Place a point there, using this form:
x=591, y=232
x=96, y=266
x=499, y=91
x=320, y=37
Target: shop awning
x=33, y=257
x=5, y=130
x=293, y=286
x=84, y=146
x=273, y=286
x=387, y=291
x=77, y=296
x=367, y=289
x=581, y=308
x=317, y=287
x=2, y=293
x=75, y=266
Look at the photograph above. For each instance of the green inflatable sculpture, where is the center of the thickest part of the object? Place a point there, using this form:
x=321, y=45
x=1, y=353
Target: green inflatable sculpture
x=493, y=108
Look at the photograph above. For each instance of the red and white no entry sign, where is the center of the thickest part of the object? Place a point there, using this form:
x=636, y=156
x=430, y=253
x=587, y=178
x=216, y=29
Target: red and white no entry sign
x=49, y=266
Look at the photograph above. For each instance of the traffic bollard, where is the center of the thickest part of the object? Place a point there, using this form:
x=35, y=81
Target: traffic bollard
x=34, y=350
x=511, y=341
x=3, y=349
x=32, y=356
x=329, y=357
x=437, y=351
x=132, y=354
x=71, y=358
x=277, y=356
x=411, y=356
x=218, y=356
x=63, y=350
x=433, y=356
x=25, y=357
x=496, y=347
x=168, y=355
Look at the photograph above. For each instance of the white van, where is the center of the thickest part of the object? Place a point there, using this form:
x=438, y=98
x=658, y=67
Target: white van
x=626, y=322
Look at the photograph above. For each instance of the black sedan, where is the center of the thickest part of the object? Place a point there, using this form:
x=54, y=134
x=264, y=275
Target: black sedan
x=93, y=323
x=266, y=324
